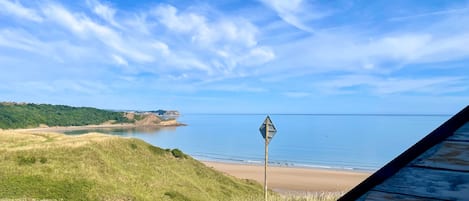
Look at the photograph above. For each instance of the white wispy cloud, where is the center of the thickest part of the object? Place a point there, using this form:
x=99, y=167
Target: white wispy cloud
x=119, y=60
x=296, y=94
x=392, y=85
x=205, y=31
x=58, y=86
x=229, y=42
x=180, y=22
x=17, y=9
x=432, y=13
x=59, y=51
x=234, y=88
x=160, y=39
x=85, y=28
x=351, y=51
x=160, y=46
x=19, y=40
x=258, y=55
x=104, y=11
x=296, y=12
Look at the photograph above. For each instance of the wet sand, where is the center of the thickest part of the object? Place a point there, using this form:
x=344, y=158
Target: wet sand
x=293, y=179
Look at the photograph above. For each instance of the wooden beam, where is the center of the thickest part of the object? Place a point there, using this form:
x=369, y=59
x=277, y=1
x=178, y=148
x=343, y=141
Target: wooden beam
x=430, y=183
x=462, y=134
x=380, y=196
x=464, y=128
x=449, y=155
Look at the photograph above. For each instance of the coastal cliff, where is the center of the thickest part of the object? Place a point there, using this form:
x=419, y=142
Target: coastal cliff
x=150, y=119
x=28, y=115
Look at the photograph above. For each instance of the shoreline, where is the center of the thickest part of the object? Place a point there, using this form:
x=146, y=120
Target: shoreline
x=286, y=164
x=294, y=180
x=86, y=127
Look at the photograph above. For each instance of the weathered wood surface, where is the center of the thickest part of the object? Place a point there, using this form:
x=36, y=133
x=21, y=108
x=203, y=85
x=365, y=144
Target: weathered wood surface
x=380, y=196
x=461, y=134
x=451, y=155
x=464, y=128
x=431, y=183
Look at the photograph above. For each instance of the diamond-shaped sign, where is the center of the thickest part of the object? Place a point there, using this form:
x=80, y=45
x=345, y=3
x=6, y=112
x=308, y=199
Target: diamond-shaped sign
x=270, y=131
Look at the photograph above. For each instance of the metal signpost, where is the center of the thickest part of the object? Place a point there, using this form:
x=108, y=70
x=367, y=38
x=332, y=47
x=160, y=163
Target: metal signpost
x=268, y=131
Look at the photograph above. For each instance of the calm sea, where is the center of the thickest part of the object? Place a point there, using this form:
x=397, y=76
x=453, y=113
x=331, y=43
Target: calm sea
x=364, y=142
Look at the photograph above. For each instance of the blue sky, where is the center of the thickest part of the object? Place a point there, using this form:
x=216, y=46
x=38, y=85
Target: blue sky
x=265, y=56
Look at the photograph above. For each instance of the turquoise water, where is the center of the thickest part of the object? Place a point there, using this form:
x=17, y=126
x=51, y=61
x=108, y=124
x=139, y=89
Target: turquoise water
x=331, y=141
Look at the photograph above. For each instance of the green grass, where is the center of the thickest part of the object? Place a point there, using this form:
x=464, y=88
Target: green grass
x=50, y=166
x=99, y=167
x=42, y=187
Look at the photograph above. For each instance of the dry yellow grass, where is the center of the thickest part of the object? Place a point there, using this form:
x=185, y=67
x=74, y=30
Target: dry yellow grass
x=102, y=167
x=13, y=140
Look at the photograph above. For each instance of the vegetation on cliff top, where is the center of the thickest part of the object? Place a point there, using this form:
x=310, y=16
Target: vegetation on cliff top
x=101, y=167
x=28, y=115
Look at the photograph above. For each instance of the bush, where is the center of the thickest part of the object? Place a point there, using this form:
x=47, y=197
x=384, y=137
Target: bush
x=25, y=160
x=178, y=153
x=43, y=160
x=174, y=195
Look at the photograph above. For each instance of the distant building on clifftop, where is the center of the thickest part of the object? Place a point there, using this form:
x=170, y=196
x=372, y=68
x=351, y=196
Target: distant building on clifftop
x=166, y=112
x=172, y=113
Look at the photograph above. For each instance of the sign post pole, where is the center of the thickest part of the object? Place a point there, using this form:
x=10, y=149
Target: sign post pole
x=266, y=161
x=268, y=131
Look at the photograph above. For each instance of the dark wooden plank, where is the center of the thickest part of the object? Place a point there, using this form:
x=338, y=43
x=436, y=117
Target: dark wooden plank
x=380, y=196
x=451, y=155
x=464, y=128
x=461, y=134
x=431, y=183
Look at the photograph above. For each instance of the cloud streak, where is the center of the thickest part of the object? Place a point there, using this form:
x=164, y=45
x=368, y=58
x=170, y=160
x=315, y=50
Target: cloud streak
x=355, y=52
x=393, y=85
x=230, y=42
x=296, y=12
x=18, y=10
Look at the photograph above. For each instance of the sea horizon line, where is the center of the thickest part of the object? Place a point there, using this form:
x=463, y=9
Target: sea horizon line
x=323, y=114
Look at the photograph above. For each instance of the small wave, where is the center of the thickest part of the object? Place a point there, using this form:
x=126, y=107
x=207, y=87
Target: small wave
x=234, y=160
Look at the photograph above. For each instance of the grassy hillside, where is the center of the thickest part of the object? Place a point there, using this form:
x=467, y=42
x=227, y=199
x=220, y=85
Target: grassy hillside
x=14, y=115
x=101, y=167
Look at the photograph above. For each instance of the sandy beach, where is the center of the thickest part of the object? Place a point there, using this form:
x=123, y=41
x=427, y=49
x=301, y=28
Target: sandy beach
x=60, y=129
x=72, y=128
x=294, y=180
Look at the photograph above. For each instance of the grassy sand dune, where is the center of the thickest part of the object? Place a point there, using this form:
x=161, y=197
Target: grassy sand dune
x=52, y=166
x=101, y=167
